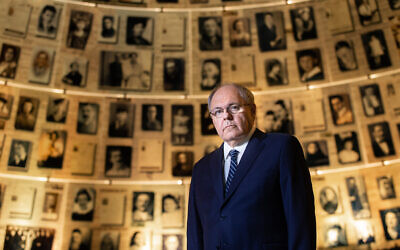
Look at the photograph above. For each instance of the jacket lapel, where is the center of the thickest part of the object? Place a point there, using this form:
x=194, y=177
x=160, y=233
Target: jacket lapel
x=216, y=165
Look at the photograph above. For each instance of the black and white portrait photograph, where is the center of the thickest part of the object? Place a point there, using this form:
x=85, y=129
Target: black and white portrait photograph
x=139, y=31
x=394, y=4
x=27, y=112
x=6, y=102
x=80, y=239
x=172, y=242
x=381, y=139
x=368, y=12
x=316, y=153
x=19, y=154
x=41, y=65
x=371, y=100
x=386, y=187
x=239, y=32
x=345, y=55
x=276, y=72
x=140, y=240
x=143, y=207
x=48, y=19
x=172, y=208
x=9, y=60
x=80, y=25
x=358, y=197
x=210, y=33
x=277, y=116
x=126, y=70
x=395, y=27
x=17, y=15
x=152, y=117
x=210, y=73
x=88, y=117
x=365, y=232
x=174, y=74
x=390, y=222
x=335, y=235
x=329, y=199
x=271, y=31
x=310, y=65
x=24, y=238
x=207, y=126
x=57, y=109
x=303, y=23
x=182, y=163
x=51, y=148
x=376, y=49
x=83, y=206
x=182, y=125
x=109, y=240
x=109, y=29
x=118, y=161
x=341, y=110
x=121, y=120
x=74, y=71
x=51, y=206
x=347, y=147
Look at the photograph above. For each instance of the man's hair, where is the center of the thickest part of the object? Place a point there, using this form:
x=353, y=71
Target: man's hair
x=336, y=97
x=244, y=93
x=342, y=44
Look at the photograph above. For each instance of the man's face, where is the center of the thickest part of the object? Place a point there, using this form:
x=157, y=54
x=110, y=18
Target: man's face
x=209, y=70
x=346, y=56
x=239, y=26
x=122, y=116
x=337, y=104
x=48, y=16
x=108, y=23
x=269, y=20
x=391, y=220
x=170, y=66
x=151, y=113
x=369, y=91
x=312, y=148
x=142, y=202
x=138, y=29
x=232, y=128
x=330, y=195
x=42, y=59
x=9, y=55
x=27, y=108
x=182, y=159
x=306, y=63
x=378, y=133
x=210, y=27
x=87, y=112
x=115, y=157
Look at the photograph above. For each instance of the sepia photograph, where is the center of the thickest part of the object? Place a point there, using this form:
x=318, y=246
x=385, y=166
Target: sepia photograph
x=365, y=232
x=277, y=116
x=240, y=63
x=121, y=120
x=341, y=110
x=19, y=155
x=310, y=65
x=376, y=49
x=143, y=207
x=118, y=161
x=303, y=23
x=210, y=73
x=80, y=239
x=109, y=240
x=80, y=26
x=173, y=35
x=74, y=71
x=395, y=27
x=139, y=31
x=140, y=240
x=207, y=126
x=41, y=65
x=276, y=72
x=386, y=187
x=329, y=200
x=148, y=148
x=82, y=152
x=371, y=100
x=174, y=74
x=27, y=112
x=335, y=235
x=51, y=206
x=57, y=109
x=83, y=205
x=345, y=55
x=9, y=60
x=17, y=15
x=109, y=29
x=390, y=222
x=172, y=209
x=210, y=33
x=112, y=207
x=312, y=113
x=316, y=153
x=6, y=102
x=394, y=4
x=48, y=21
x=368, y=12
x=271, y=31
x=152, y=117
x=24, y=238
x=22, y=201
x=88, y=118
x=358, y=197
x=347, y=147
x=51, y=148
x=239, y=32
x=172, y=242
x=182, y=163
x=182, y=125
x=381, y=139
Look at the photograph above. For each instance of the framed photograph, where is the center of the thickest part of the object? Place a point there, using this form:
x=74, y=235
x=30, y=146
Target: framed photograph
x=173, y=33
x=347, y=147
x=74, y=71
x=390, y=222
x=118, y=161
x=376, y=49
x=19, y=155
x=9, y=60
x=371, y=100
x=126, y=70
x=182, y=163
x=341, y=110
x=271, y=31
x=312, y=113
x=210, y=33
x=109, y=29
x=51, y=148
x=24, y=238
x=139, y=31
x=303, y=23
x=368, y=12
x=140, y=240
x=276, y=72
x=143, y=207
x=338, y=16
x=17, y=16
x=207, y=126
x=83, y=206
x=358, y=197
x=310, y=65
x=172, y=209
x=392, y=93
x=41, y=65
x=51, y=205
x=381, y=139
x=394, y=4
x=109, y=240
x=182, y=125
x=239, y=32
x=386, y=187
x=210, y=73
x=395, y=27
x=112, y=207
x=22, y=200
x=238, y=65
x=121, y=120
x=277, y=116
x=82, y=152
x=88, y=117
x=365, y=232
x=48, y=20
x=172, y=241
x=316, y=153
x=27, y=112
x=152, y=117
x=6, y=102
x=80, y=25
x=335, y=235
x=148, y=148
x=81, y=238
x=174, y=74
x=345, y=55
x=57, y=109
x=329, y=200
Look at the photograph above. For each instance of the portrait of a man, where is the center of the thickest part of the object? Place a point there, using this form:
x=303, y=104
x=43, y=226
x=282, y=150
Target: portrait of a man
x=139, y=31
x=390, y=221
x=271, y=31
x=88, y=118
x=9, y=60
x=57, y=109
x=210, y=74
x=239, y=32
x=386, y=187
x=19, y=154
x=174, y=74
x=152, y=117
x=303, y=23
x=381, y=139
x=48, y=21
x=182, y=163
x=121, y=120
x=118, y=161
x=143, y=207
x=310, y=65
x=376, y=49
x=358, y=197
x=210, y=30
x=80, y=25
x=345, y=56
x=341, y=109
x=27, y=113
x=371, y=100
x=51, y=204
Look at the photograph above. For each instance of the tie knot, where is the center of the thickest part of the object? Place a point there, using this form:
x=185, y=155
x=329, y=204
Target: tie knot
x=233, y=153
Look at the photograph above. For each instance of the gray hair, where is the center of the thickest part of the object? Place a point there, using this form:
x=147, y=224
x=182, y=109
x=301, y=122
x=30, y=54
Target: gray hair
x=244, y=93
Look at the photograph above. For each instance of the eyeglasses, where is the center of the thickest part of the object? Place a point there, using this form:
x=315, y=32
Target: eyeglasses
x=232, y=109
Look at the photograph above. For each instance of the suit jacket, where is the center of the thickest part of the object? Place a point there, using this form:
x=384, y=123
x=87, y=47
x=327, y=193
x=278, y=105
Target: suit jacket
x=269, y=205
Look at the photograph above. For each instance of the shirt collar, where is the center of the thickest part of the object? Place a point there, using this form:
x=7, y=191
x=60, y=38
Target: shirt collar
x=240, y=147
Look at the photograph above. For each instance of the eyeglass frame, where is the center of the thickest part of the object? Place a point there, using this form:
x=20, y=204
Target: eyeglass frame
x=227, y=109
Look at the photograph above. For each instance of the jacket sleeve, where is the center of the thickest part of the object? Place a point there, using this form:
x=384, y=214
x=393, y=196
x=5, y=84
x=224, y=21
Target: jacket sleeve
x=194, y=228
x=297, y=196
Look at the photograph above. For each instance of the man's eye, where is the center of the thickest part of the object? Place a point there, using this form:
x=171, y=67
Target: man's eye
x=218, y=112
x=235, y=108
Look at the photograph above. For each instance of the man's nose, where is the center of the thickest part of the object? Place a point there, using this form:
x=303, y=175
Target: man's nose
x=226, y=115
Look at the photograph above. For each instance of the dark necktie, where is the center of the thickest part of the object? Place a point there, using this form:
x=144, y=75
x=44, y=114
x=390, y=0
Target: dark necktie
x=232, y=169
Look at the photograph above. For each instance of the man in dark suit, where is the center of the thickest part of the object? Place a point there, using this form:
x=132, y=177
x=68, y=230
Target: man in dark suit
x=254, y=192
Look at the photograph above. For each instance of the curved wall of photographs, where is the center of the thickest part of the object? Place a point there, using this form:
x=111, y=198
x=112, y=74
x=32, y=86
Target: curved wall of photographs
x=103, y=113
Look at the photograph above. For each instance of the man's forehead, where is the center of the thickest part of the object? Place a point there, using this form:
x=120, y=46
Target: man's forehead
x=226, y=95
